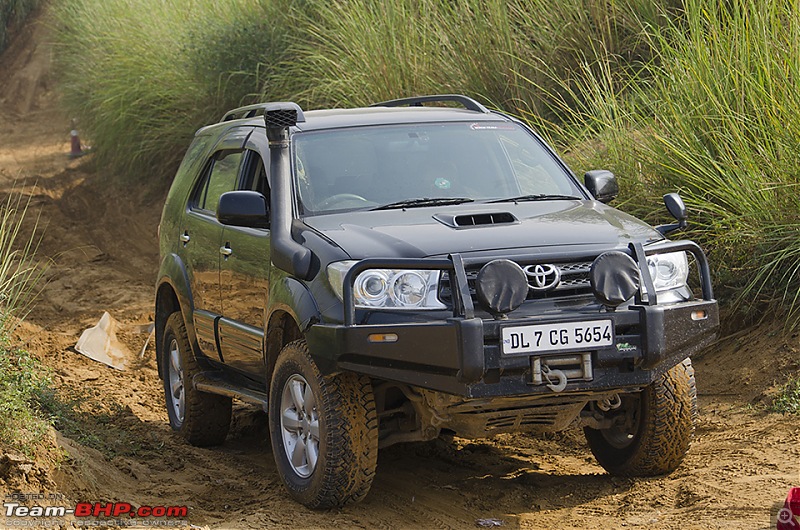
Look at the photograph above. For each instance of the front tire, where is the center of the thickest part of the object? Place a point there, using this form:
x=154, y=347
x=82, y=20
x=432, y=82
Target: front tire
x=324, y=430
x=202, y=419
x=659, y=428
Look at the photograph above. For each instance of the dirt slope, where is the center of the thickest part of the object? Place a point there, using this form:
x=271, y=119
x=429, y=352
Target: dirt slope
x=119, y=446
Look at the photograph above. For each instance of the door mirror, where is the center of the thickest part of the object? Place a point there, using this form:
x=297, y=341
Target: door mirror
x=675, y=206
x=677, y=209
x=602, y=184
x=243, y=208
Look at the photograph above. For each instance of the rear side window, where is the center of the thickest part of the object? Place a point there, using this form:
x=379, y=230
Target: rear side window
x=194, y=154
x=220, y=176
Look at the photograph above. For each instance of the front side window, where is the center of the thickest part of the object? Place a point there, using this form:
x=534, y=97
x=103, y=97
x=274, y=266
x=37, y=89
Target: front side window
x=221, y=176
x=254, y=174
x=366, y=167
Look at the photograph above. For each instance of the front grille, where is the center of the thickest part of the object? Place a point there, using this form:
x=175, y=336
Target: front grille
x=574, y=281
x=574, y=275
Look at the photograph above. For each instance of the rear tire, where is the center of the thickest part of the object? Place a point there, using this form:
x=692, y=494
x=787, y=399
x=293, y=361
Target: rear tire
x=662, y=427
x=324, y=430
x=202, y=419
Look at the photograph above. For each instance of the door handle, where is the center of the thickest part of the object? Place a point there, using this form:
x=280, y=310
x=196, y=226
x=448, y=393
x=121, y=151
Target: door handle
x=185, y=238
x=226, y=250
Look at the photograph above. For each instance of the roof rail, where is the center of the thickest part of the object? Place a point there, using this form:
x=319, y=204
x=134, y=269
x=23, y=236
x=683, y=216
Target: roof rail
x=469, y=103
x=251, y=111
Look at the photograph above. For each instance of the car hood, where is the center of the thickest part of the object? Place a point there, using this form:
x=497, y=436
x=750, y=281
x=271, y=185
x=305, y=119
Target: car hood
x=425, y=232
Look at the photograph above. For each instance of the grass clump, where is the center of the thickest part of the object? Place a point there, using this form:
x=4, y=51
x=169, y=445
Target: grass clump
x=357, y=52
x=93, y=422
x=22, y=379
x=20, y=272
x=788, y=399
x=22, y=383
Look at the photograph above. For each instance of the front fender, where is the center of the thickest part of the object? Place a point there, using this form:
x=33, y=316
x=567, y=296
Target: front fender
x=293, y=297
x=173, y=278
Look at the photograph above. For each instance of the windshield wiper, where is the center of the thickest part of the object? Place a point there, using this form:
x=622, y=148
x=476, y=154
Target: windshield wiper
x=538, y=197
x=423, y=201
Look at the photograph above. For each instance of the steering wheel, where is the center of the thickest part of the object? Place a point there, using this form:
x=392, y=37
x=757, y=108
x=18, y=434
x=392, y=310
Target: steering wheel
x=341, y=197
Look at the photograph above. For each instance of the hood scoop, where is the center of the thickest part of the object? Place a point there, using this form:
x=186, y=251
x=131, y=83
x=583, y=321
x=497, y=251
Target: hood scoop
x=472, y=220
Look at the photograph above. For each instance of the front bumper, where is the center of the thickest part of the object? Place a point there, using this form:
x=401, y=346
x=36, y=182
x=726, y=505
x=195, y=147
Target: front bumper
x=462, y=355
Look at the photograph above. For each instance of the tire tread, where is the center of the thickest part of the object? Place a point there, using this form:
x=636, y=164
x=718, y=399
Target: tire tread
x=351, y=435
x=207, y=417
x=669, y=414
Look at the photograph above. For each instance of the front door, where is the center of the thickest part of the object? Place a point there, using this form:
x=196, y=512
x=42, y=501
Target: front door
x=244, y=282
x=201, y=234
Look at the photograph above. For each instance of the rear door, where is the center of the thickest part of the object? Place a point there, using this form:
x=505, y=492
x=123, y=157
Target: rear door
x=244, y=279
x=201, y=233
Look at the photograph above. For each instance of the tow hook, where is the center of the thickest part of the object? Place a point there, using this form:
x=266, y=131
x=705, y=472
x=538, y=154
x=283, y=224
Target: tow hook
x=609, y=403
x=547, y=372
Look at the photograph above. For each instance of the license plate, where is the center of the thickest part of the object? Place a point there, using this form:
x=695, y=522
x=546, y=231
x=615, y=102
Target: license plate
x=560, y=336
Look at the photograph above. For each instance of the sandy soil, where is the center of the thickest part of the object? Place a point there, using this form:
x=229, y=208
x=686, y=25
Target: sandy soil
x=118, y=446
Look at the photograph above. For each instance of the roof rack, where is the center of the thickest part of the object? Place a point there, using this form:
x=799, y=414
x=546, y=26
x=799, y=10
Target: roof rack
x=467, y=102
x=251, y=111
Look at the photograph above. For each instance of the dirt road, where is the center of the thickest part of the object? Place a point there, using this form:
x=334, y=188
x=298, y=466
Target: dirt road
x=118, y=444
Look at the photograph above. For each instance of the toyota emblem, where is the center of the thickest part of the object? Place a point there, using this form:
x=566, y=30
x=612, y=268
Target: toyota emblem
x=542, y=277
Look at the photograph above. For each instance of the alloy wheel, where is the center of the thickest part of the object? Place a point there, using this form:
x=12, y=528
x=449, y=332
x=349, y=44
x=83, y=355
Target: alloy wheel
x=300, y=425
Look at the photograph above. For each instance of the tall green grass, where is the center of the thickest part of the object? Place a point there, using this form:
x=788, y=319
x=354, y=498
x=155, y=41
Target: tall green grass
x=691, y=95
x=12, y=14
x=143, y=76
x=356, y=52
x=23, y=381
x=713, y=117
x=724, y=109
x=20, y=272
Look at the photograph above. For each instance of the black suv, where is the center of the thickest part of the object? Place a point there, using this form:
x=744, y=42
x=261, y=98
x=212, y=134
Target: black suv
x=379, y=275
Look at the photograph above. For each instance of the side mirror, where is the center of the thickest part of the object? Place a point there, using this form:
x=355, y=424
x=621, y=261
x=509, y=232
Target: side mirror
x=675, y=206
x=243, y=208
x=602, y=184
x=677, y=209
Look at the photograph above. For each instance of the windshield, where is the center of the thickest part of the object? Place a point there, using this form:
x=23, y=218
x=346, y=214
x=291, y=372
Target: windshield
x=379, y=166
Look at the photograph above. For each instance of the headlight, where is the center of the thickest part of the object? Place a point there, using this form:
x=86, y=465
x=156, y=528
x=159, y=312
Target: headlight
x=669, y=271
x=388, y=288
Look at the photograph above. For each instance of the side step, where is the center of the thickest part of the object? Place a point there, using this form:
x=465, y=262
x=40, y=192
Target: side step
x=215, y=383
